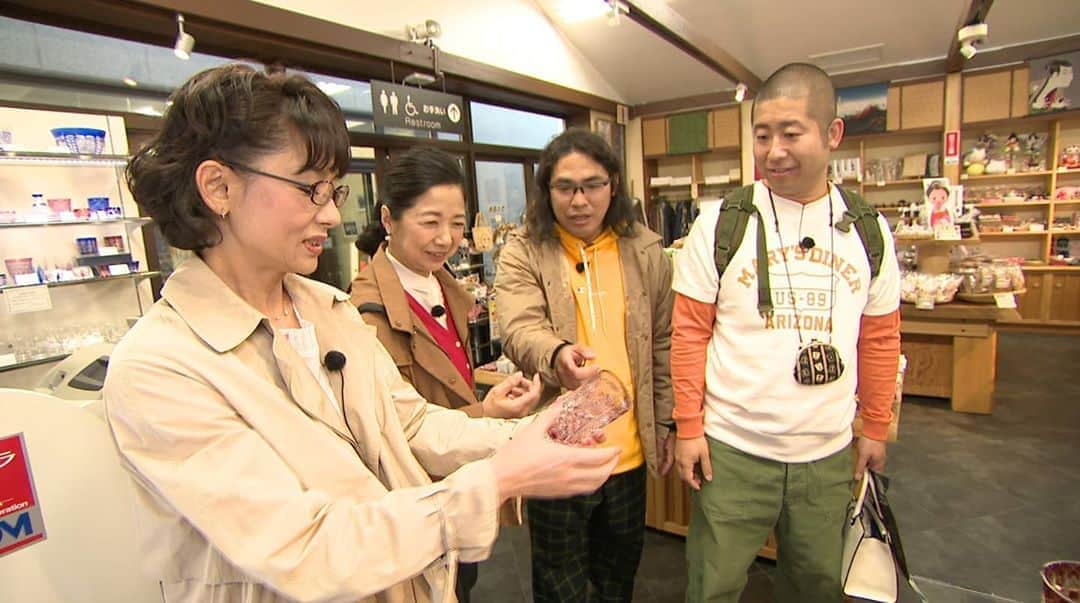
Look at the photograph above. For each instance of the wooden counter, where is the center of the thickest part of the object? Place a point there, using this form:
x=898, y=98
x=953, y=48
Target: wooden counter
x=952, y=352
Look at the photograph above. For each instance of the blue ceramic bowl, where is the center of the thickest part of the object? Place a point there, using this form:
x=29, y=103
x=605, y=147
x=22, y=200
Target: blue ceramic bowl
x=85, y=141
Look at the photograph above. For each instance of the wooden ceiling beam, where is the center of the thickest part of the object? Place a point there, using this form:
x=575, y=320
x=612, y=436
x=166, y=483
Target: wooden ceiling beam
x=975, y=12
x=657, y=17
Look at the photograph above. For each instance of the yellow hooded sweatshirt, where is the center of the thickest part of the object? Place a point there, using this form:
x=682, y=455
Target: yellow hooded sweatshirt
x=601, y=325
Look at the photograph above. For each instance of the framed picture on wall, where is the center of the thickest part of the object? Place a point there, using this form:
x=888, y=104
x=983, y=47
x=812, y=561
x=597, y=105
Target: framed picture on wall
x=863, y=108
x=1052, y=85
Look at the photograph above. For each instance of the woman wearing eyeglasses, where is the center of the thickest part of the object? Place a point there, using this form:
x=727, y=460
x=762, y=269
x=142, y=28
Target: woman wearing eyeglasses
x=587, y=288
x=277, y=452
x=417, y=307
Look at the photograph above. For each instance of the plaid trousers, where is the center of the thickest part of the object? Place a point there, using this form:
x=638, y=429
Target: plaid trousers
x=589, y=539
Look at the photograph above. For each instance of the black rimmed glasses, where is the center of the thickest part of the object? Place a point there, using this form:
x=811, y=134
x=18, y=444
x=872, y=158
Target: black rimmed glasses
x=320, y=193
x=566, y=189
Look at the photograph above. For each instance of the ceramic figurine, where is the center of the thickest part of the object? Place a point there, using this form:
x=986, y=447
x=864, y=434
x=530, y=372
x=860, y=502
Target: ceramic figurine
x=1070, y=157
x=1012, y=151
x=975, y=160
x=1034, y=144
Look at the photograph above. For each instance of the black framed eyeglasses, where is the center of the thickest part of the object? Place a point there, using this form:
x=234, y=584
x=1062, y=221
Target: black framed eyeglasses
x=320, y=193
x=590, y=188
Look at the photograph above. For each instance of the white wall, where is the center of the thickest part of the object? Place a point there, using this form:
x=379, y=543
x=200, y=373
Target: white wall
x=480, y=30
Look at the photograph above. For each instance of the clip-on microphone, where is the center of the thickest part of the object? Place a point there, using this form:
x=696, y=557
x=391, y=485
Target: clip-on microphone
x=334, y=361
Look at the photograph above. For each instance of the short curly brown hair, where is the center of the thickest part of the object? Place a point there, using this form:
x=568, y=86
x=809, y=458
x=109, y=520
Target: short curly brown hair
x=230, y=113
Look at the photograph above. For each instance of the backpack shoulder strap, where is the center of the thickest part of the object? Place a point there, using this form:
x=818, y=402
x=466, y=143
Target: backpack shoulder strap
x=731, y=225
x=865, y=219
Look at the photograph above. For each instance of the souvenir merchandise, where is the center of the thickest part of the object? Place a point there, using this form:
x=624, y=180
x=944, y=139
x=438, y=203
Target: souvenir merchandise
x=1070, y=157
x=916, y=287
x=482, y=235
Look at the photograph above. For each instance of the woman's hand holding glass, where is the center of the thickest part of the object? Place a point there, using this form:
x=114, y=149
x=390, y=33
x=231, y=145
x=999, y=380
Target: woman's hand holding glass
x=535, y=466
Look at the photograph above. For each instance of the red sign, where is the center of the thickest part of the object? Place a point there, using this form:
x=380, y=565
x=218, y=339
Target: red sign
x=952, y=147
x=20, y=513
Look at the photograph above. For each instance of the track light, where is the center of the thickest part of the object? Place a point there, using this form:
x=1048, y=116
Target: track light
x=969, y=36
x=740, y=92
x=185, y=42
x=426, y=31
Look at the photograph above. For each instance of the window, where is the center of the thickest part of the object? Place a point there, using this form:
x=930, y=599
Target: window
x=513, y=128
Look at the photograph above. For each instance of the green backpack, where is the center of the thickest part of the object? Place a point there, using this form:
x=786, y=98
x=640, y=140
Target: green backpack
x=739, y=206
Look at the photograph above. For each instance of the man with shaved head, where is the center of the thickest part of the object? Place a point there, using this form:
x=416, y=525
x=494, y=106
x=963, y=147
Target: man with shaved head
x=783, y=313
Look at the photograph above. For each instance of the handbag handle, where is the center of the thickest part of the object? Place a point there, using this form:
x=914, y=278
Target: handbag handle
x=868, y=493
x=886, y=521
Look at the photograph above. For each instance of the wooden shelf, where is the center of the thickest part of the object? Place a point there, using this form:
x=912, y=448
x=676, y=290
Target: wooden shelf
x=1013, y=204
x=1013, y=121
x=893, y=183
x=994, y=235
x=86, y=281
x=966, y=178
x=1065, y=231
x=1050, y=268
x=663, y=186
x=1069, y=202
x=1067, y=172
x=894, y=133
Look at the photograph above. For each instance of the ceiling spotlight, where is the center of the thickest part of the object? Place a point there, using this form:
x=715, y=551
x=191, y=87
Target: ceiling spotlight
x=969, y=36
x=130, y=81
x=185, y=42
x=740, y=92
x=426, y=31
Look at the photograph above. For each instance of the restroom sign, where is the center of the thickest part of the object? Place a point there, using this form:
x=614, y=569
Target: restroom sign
x=20, y=513
x=395, y=106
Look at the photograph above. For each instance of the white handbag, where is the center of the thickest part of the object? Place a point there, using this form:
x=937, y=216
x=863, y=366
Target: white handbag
x=873, y=559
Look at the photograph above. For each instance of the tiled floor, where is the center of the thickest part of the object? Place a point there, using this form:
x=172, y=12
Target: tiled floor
x=982, y=501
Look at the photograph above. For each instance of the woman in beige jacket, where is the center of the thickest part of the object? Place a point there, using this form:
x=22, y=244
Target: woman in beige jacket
x=277, y=451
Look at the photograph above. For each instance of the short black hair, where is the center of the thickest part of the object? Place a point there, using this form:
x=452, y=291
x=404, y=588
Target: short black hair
x=802, y=80
x=410, y=175
x=539, y=215
x=231, y=113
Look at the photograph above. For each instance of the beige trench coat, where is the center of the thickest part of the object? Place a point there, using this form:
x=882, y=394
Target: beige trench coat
x=252, y=484
x=536, y=314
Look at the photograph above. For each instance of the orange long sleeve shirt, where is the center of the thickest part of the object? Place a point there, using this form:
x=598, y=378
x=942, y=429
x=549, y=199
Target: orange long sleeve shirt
x=692, y=327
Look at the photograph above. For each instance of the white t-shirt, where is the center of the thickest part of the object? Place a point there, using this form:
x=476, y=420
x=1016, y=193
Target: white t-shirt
x=752, y=401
